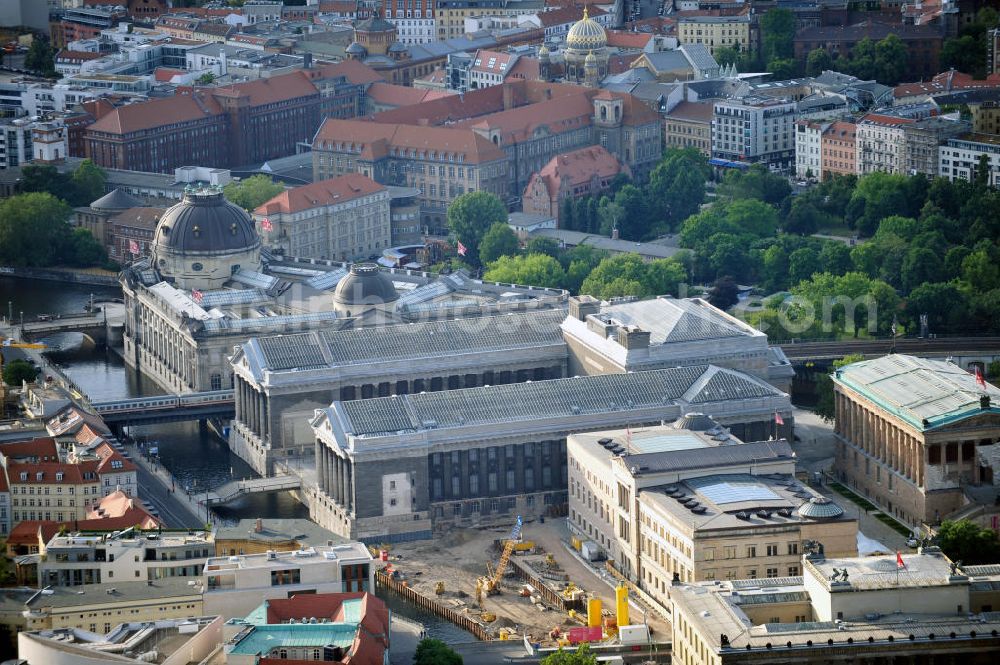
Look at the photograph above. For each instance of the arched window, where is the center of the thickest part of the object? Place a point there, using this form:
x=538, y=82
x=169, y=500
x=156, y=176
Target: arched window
x=604, y=113
x=216, y=381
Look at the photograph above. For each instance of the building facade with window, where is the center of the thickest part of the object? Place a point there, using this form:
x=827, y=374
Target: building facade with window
x=394, y=468
x=912, y=433
x=809, y=148
x=881, y=143
x=960, y=157
x=755, y=130
x=715, y=31
x=343, y=218
x=52, y=490
x=839, y=149
x=690, y=502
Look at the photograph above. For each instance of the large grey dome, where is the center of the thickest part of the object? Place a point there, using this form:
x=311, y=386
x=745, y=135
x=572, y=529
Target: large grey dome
x=116, y=199
x=206, y=223
x=696, y=422
x=366, y=284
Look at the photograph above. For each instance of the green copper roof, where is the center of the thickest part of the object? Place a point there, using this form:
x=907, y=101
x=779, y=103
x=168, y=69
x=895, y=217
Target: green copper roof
x=926, y=393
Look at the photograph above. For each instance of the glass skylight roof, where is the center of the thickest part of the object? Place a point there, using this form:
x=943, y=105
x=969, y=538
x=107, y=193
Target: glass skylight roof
x=721, y=492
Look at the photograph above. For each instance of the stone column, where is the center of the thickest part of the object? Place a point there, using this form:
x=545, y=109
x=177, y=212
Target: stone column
x=336, y=494
x=349, y=473
x=320, y=467
x=236, y=397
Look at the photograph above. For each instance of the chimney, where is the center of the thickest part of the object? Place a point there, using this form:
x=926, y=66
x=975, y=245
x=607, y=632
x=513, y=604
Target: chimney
x=223, y=64
x=582, y=306
x=632, y=337
x=258, y=526
x=508, y=96
x=307, y=61
x=984, y=402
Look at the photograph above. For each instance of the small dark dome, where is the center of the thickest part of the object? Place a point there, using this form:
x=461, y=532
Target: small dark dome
x=366, y=284
x=355, y=48
x=695, y=422
x=820, y=508
x=116, y=199
x=375, y=24
x=206, y=222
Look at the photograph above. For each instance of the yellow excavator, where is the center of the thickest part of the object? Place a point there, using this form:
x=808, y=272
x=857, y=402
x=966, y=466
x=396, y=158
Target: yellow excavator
x=490, y=583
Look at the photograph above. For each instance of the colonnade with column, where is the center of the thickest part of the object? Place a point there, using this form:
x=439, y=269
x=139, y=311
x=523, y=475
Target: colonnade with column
x=335, y=476
x=888, y=444
x=456, y=381
x=252, y=409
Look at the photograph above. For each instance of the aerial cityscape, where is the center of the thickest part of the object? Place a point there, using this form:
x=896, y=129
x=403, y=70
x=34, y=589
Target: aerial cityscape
x=444, y=332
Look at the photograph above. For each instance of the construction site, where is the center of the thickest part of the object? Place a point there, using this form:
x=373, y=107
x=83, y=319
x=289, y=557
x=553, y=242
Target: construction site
x=523, y=581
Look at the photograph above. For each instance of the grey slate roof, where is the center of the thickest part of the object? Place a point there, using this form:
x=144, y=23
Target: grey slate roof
x=436, y=338
x=699, y=56
x=665, y=61
x=532, y=401
x=706, y=458
x=674, y=320
x=116, y=199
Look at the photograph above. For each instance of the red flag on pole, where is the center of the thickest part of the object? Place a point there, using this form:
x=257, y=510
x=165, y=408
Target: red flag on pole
x=899, y=561
x=462, y=249
x=133, y=247
x=266, y=224
x=979, y=378
x=196, y=295
x=778, y=420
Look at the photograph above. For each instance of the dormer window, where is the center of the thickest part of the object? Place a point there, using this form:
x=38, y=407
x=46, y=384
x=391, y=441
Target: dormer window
x=24, y=475
x=39, y=475
x=59, y=475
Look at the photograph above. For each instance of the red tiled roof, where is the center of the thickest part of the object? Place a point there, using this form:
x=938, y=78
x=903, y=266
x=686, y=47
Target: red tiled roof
x=629, y=40
x=269, y=90
x=338, y=6
x=26, y=532
x=108, y=456
x=570, y=14
x=491, y=62
x=880, y=119
x=142, y=218
x=321, y=193
x=692, y=111
x=86, y=436
x=556, y=115
x=578, y=167
x=166, y=74
x=376, y=139
x=840, y=129
x=122, y=508
x=946, y=82
x=525, y=68
x=157, y=112
x=354, y=71
x=72, y=473
x=42, y=449
x=396, y=96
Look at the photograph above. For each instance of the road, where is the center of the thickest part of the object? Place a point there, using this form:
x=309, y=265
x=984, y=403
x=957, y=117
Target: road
x=152, y=487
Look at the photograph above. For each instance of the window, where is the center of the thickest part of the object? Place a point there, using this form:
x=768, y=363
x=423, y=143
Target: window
x=772, y=550
x=772, y=572
x=793, y=571
x=751, y=551
x=793, y=548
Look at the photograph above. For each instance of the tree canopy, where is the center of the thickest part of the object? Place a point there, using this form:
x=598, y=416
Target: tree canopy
x=968, y=542
x=40, y=58
x=629, y=275
x=18, y=371
x=80, y=188
x=249, y=193
x=470, y=216
x=825, y=407
x=581, y=656
x=534, y=269
x=435, y=652
x=498, y=241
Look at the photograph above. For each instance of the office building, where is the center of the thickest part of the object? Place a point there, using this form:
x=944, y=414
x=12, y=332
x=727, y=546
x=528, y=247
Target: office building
x=690, y=502
x=755, y=130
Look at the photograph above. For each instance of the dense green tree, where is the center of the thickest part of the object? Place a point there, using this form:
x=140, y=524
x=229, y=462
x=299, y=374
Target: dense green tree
x=84, y=250
x=835, y=258
x=724, y=293
x=249, y=193
x=945, y=305
x=748, y=217
x=783, y=69
x=45, y=178
x=205, y=79
x=582, y=656
x=727, y=55
x=534, y=269
x=851, y=303
x=665, y=277
x=498, y=241
x=629, y=275
x=567, y=220
x=88, y=183
x=774, y=268
x=33, y=229
x=435, y=652
x=802, y=263
x=818, y=61
x=727, y=254
x=40, y=58
x=877, y=196
x=470, y=216
x=825, y=407
x=968, y=542
x=543, y=245
x=862, y=59
x=629, y=213
x=677, y=186
x=757, y=182
x=890, y=60
x=966, y=54
x=920, y=266
x=803, y=217
x=777, y=29
x=18, y=371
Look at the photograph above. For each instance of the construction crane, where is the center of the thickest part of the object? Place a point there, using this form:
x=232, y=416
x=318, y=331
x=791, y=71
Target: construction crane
x=491, y=582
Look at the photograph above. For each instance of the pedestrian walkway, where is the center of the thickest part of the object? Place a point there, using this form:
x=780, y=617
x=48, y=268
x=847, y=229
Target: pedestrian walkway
x=173, y=493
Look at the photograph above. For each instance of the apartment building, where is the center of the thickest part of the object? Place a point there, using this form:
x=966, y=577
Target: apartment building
x=583, y=172
x=839, y=149
x=755, y=130
x=15, y=142
x=236, y=585
x=52, y=490
x=343, y=218
x=909, y=432
x=960, y=157
x=809, y=148
x=450, y=15
x=414, y=19
x=690, y=502
x=715, y=31
x=923, y=140
x=881, y=143
x=130, y=555
x=985, y=116
x=689, y=125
